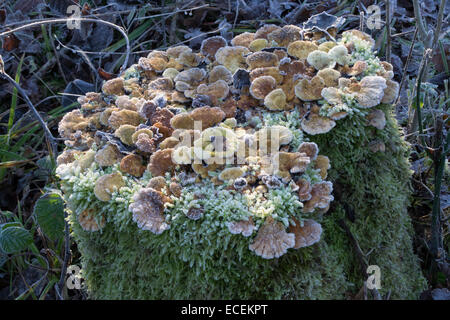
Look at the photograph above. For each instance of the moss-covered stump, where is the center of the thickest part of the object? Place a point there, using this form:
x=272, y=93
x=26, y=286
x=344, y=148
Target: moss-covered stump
x=226, y=174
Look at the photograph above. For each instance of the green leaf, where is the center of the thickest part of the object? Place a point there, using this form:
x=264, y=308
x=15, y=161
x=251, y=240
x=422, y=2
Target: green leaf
x=49, y=211
x=14, y=239
x=9, y=224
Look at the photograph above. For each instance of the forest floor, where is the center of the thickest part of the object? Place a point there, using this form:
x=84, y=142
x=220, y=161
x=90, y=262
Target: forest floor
x=55, y=63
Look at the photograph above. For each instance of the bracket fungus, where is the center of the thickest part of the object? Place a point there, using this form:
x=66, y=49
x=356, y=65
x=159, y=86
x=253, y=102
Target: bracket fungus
x=306, y=234
x=272, y=240
x=244, y=227
x=88, y=221
x=147, y=209
x=106, y=184
x=310, y=90
x=226, y=152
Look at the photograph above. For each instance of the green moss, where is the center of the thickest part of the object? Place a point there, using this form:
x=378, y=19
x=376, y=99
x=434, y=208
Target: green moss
x=377, y=187
x=194, y=260
x=180, y=264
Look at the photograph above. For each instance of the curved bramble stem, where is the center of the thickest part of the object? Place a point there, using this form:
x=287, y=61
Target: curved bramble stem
x=51, y=21
x=51, y=140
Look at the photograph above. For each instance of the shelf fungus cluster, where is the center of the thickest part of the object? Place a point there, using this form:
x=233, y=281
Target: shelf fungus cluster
x=182, y=133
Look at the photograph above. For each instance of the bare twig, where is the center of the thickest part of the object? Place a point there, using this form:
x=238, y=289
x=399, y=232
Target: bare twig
x=50, y=139
x=388, y=31
x=60, y=20
x=58, y=62
x=406, y=65
x=419, y=21
x=67, y=256
x=414, y=113
x=440, y=18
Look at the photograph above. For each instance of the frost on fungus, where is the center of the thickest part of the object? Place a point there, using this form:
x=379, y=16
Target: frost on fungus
x=224, y=172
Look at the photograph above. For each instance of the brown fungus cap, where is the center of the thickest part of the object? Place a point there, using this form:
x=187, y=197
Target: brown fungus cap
x=189, y=59
x=304, y=189
x=231, y=173
x=267, y=71
x=377, y=119
x=307, y=234
x=371, y=91
x=275, y=100
x=182, y=121
x=258, y=45
x=284, y=36
x=163, y=84
x=161, y=162
x=108, y=155
x=113, y=87
x=72, y=122
x=301, y=49
x=272, y=240
x=244, y=39
x=262, y=86
x=67, y=156
x=293, y=162
x=132, y=164
x=174, y=52
x=330, y=77
x=232, y=57
x=175, y=189
x=155, y=63
x=264, y=31
x=191, y=76
x=310, y=149
x=144, y=142
x=220, y=73
x=320, y=196
x=217, y=91
x=315, y=124
x=244, y=227
x=357, y=68
x=106, y=184
x=323, y=163
x=157, y=183
x=262, y=59
x=124, y=116
x=310, y=90
x=210, y=46
x=391, y=91
x=162, y=116
x=208, y=116
x=87, y=221
x=147, y=209
x=170, y=142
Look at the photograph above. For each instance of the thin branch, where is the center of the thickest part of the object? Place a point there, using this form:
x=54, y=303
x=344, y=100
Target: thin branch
x=67, y=256
x=440, y=18
x=50, y=139
x=405, y=69
x=419, y=21
x=60, y=20
x=388, y=31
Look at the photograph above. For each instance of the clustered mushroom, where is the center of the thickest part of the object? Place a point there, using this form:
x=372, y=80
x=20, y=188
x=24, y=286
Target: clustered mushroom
x=199, y=114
